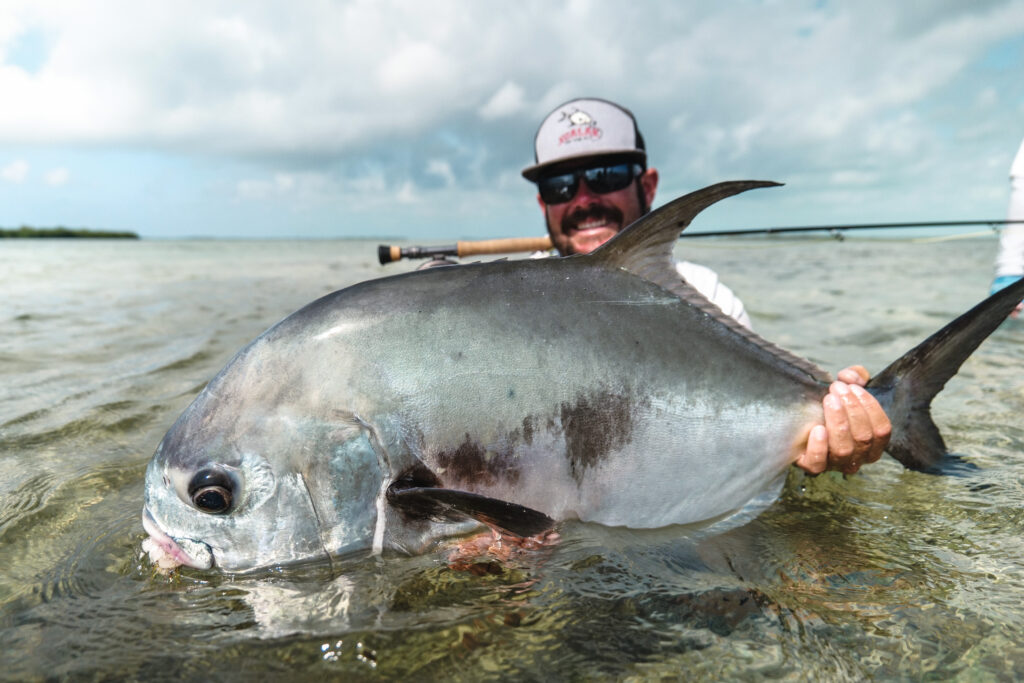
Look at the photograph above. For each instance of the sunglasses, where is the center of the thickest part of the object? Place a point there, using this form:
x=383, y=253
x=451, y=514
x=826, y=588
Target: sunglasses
x=558, y=189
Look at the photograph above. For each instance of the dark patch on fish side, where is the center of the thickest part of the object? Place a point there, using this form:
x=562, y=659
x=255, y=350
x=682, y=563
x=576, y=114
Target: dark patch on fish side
x=594, y=427
x=471, y=462
x=528, y=430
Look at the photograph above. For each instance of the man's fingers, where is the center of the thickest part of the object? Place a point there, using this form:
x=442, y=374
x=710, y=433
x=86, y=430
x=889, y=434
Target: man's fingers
x=815, y=458
x=840, y=443
x=881, y=427
x=855, y=374
x=860, y=422
x=857, y=426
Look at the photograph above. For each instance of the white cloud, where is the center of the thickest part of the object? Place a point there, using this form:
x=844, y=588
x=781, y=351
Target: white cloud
x=413, y=68
x=443, y=170
x=10, y=28
x=57, y=176
x=407, y=194
x=507, y=101
x=852, y=177
x=369, y=183
x=330, y=78
x=260, y=189
x=987, y=98
x=15, y=172
x=302, y=186
x=361, y=99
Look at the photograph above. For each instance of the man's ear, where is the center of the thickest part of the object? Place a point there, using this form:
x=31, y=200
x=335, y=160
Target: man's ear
x=649, y=184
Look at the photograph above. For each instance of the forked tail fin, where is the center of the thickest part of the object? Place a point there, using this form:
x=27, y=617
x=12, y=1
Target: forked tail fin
x=906, y=388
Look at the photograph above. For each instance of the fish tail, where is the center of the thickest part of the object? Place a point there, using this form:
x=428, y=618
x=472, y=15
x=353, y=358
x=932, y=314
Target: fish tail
x=906, y=388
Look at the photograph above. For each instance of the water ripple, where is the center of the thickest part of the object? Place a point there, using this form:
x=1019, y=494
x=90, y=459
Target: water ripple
x=888, y=575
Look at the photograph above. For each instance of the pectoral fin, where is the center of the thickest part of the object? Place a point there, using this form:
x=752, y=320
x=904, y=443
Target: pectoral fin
x=443, y=504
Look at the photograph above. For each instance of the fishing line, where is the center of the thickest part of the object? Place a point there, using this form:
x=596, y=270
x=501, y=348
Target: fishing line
x=789, y=243
x=320, y=528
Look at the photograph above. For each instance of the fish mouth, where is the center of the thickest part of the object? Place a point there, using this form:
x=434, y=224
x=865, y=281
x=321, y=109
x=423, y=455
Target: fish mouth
x=168, y=553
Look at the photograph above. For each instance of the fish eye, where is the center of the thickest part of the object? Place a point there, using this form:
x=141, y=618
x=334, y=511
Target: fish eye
x=211, y=491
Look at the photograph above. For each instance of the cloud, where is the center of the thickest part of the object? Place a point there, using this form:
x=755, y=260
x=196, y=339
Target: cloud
x=855, y=177
x=260, y=189
x=443, y=170
x=338, y=78
x=57, y=177
x=306, y=187
x=413, y=69
x=15, y=172
x=507, y=101
x=407, y=194
x=397, y=101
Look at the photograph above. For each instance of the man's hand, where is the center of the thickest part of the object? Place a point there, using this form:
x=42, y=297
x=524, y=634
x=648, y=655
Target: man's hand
x=856, y=429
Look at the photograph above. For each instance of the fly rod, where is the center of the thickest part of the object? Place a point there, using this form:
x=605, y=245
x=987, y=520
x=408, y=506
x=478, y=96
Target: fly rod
x=389, y=254
x=841, y=228
x=510, y=245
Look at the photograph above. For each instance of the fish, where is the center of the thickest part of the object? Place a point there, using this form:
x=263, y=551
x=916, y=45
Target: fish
x=404, y=412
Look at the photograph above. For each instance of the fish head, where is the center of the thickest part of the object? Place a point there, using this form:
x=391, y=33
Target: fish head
x=260, y=471
x=208, y=503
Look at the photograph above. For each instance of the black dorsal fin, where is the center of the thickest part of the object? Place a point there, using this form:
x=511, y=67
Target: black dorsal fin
x=645, y=247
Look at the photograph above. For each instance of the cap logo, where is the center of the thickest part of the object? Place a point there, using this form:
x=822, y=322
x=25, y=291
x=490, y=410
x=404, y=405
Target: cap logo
x=581, y=127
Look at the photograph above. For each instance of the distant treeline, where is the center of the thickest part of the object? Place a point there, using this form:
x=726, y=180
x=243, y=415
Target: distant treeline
x=26, y=231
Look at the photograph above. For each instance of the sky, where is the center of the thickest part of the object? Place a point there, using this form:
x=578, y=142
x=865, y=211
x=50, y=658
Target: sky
x=335, y=119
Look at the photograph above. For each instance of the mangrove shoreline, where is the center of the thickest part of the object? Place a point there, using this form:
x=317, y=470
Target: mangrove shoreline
x=64, y=233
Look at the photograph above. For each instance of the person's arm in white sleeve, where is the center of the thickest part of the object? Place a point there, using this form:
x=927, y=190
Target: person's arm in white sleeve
x=706, y=281
x=1010, y=258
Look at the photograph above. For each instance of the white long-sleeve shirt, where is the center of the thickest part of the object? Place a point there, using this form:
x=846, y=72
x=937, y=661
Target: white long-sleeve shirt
x=705, y=281
x=1010, y=259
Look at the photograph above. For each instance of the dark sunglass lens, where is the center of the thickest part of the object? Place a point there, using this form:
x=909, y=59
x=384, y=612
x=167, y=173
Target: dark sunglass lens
x=609, y=178
x=557, y=189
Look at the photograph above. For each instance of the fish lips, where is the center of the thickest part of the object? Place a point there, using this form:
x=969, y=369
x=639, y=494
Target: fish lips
x=185, y=551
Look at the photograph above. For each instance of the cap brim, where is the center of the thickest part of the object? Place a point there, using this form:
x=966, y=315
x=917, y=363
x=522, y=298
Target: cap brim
x=532, y=173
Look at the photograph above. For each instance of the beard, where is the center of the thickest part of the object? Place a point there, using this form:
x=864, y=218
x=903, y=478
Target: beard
x=572, y=221
x=586, y=228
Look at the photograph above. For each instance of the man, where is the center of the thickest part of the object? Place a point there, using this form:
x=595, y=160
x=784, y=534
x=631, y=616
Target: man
x=592, y=180
x=1010, y=259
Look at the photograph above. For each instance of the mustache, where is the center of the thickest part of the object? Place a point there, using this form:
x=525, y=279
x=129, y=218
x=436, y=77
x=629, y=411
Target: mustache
x=571, y=221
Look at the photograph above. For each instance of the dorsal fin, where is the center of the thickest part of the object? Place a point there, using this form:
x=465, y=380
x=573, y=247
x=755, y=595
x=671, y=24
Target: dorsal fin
x=645, y=247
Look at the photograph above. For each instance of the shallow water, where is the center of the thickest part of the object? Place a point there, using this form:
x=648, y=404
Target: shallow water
x=888, y=574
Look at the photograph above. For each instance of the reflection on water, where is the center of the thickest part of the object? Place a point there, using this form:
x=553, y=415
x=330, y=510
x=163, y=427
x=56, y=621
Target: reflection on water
x=888, y=574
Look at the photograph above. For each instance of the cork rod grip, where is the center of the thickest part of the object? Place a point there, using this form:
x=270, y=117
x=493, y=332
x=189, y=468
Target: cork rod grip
x=504, y=246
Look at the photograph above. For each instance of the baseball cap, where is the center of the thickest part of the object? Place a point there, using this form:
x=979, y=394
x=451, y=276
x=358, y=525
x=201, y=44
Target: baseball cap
x=583, y=128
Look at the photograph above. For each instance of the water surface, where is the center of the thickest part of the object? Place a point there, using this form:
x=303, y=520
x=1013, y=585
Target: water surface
x=888, y=574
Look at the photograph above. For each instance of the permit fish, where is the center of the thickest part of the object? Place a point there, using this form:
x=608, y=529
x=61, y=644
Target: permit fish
x=416, y=408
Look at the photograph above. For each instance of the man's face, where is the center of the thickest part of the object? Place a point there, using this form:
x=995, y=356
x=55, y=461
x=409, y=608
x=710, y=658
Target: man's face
x=589, y=219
